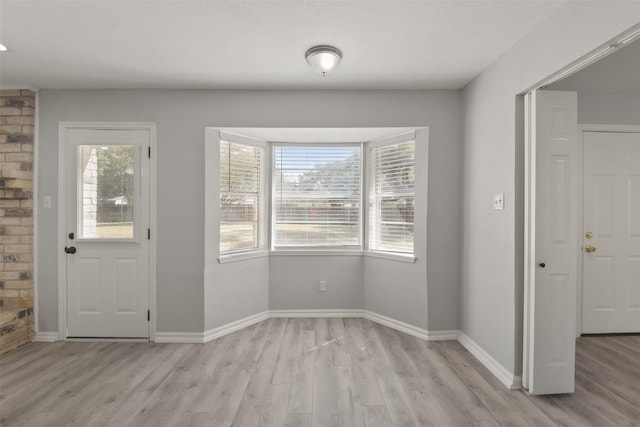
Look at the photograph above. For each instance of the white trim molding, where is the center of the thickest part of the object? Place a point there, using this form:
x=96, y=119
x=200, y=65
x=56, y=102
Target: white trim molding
x=410, y=329
x=211, y=334
x=316, y=313
x=214, y=333
x=180, y=337
x=45, y=336
x=512, y=382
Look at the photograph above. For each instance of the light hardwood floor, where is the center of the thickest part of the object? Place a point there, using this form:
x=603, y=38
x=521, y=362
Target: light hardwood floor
x=304, y=372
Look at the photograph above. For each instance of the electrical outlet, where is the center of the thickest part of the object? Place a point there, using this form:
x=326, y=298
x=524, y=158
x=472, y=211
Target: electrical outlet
x=322, y=286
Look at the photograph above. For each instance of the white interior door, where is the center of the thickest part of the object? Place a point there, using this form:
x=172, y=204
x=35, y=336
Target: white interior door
x=611, y=239
x=551, y=252
x=107, y=246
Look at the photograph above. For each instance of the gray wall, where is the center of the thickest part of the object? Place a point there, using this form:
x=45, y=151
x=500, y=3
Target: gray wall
x=608, y=108
x=189, y=302
x=294, y=282
x=401, y=290
x=491, y=298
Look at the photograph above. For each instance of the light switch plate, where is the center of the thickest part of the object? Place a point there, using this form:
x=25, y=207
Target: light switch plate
x=46, y=202
x=498, y=201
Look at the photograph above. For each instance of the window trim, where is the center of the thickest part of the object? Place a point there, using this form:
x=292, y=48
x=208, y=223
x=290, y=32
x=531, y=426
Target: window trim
x=264, y=236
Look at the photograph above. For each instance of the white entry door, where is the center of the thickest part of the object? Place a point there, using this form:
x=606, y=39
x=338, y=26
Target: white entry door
x=107, y=220
x=551, y=249
x=611, y=239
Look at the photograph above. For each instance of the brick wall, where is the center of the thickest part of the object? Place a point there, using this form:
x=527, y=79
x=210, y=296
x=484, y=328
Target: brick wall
x=17, y=114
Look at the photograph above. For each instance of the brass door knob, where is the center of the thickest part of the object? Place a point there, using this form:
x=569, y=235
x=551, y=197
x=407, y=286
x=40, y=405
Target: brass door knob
x=588, y=234
x=590, y=249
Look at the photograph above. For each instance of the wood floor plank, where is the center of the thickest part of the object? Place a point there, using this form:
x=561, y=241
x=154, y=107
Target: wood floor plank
x=430, y=412
x=618, y=405
x=339, y=341
x=517, y=401
x=253, y=401
x=324, y=344
x=222, y=395
x=355, y=345
x=367, y=385
x=453, y=395
x=603, y=373
x=325, y=405
x=226, y=404
x=376, y=353
x=165, y=407
x=287, y=355
x=352, y=322
x=612, y=361
x=485, y=393
x=396, y=345
x=628, y=344
x=333, y=372
x=395, y=398
x=301, y=391
x=377, y=416
x=348, y=398
x=298, y=420
x=274, y=409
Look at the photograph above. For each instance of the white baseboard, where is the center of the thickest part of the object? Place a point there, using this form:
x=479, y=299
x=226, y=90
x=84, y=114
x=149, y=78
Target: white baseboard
x=180, y=337
x=316, y=313
x=46, y=337
x=511, y=381
x=410, y=329
x=211, y=334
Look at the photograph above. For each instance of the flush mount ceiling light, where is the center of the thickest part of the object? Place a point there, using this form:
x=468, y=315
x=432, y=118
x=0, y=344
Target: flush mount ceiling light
x=2, y=48
x=323, y=59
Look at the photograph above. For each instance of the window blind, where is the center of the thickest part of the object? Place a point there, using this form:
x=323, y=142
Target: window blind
x=316, y=196
x=392, y=195
x=241, y=197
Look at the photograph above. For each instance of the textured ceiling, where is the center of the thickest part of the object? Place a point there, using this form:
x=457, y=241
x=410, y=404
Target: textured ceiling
x=257, y=44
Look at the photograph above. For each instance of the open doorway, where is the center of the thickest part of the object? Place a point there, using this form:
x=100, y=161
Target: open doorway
x=608, y=99
x=609, y=139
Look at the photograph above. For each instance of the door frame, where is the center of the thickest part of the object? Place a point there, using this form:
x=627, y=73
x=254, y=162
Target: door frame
x=63, y=127
x=582, y=129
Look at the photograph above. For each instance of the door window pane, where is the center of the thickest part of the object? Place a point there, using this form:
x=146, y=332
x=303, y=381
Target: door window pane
x=106, y=191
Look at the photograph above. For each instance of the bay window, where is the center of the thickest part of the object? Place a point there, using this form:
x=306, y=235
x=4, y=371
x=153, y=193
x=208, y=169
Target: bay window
x=316, y=199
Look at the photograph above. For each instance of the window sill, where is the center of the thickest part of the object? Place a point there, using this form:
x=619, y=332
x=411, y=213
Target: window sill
x=316, y=252
x=392, y=256
x=241, y=256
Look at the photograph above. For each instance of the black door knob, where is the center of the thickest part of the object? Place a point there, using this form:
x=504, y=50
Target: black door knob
x=70, y=250
x=542, y=265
